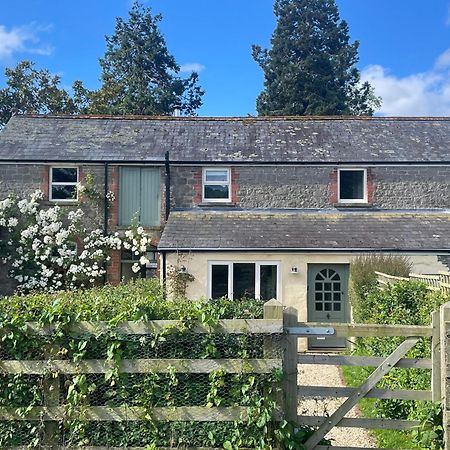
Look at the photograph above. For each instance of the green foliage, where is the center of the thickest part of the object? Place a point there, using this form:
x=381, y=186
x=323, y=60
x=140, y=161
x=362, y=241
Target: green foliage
x=363, y=279
x=139, y=300
x=311, y=67
x=139, y=75
x=30, y=90
x=409, y=303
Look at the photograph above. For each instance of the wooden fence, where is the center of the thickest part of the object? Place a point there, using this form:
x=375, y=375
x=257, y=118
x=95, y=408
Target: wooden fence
x=436, y=282
x=54, y=410
x=278, y=321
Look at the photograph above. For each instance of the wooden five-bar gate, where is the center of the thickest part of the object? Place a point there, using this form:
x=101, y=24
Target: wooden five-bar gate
x=383, y=365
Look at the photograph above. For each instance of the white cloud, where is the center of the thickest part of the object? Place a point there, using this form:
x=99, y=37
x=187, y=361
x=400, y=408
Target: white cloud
x=23, y=39
x=420, y=94
x=443, y=60
x=192, y=67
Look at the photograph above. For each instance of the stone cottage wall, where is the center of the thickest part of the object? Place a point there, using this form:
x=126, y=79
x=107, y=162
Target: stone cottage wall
x=316, y=187
x=23, y=179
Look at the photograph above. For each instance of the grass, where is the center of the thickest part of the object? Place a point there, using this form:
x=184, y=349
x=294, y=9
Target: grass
x=355, y=376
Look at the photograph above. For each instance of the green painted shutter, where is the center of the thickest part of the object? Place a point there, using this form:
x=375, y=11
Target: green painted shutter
x=129, y=195
x=150, y=197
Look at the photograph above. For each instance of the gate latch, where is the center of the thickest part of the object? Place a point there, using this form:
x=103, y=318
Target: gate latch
x=311, y=331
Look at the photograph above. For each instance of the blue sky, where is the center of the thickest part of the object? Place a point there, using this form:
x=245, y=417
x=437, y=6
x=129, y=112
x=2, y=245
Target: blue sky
x=404, y=52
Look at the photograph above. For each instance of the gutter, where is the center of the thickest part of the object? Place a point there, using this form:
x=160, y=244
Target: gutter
x=167, y=167
x=305, y=250
x=160, y=162
x=105, y=216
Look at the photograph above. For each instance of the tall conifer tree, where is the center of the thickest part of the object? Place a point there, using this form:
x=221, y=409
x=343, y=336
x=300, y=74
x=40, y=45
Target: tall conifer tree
x=139, y=75
x=311, y=66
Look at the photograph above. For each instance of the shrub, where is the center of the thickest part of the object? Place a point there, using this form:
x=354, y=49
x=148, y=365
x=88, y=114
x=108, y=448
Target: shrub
x=409, y=303
x=363, y=279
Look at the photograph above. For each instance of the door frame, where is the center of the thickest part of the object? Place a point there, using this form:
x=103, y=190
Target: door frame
x=346, y=303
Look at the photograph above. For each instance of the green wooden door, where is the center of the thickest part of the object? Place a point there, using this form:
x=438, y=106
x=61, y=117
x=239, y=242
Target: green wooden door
x=328, y=300
x=139, y=196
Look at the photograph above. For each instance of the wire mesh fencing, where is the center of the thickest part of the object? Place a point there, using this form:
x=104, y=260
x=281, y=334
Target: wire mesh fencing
x=139, y=384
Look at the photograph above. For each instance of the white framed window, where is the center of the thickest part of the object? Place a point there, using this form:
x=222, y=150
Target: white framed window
x=63, y=181
x=216, y=185
x=237, y=279
x=128, y=259
x=352, y=185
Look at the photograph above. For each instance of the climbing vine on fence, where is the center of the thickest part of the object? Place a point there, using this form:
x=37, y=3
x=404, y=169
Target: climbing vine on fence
x=140, y=300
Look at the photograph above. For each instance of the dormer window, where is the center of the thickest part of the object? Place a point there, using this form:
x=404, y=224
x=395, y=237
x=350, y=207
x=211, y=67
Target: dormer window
x=63, y=184
x=352, y=186
x=216, y=185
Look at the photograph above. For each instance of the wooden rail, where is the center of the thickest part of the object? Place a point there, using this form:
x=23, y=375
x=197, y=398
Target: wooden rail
x=435, y=282
x=141, y=366
x=371, y=330
x=226, y=326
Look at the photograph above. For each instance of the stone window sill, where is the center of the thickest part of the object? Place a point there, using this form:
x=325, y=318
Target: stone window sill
x=352, y=205
x=216, y=204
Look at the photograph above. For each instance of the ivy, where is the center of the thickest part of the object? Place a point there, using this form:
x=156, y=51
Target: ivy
x=139, y=300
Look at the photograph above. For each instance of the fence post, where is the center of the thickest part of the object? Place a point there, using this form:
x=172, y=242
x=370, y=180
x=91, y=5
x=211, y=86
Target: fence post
x=273, y=310
x=50, y=391
x=290, y=319
x=436, y=389
x=445, y=371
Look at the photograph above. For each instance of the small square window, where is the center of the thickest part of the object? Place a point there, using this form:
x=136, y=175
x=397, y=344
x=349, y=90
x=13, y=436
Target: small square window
x=216, y=185
x=352, y=186
x=63, y=183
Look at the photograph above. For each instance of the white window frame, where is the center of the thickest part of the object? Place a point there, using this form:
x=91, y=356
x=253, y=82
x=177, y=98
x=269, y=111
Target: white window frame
x=353, y=200
x=258, y=265
x=52, y=183
x=216, y=183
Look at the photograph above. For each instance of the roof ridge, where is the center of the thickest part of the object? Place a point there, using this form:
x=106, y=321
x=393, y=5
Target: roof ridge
x=234, y=118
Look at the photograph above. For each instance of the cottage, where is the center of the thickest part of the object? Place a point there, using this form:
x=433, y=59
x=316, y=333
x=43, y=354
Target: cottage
x=267, y=207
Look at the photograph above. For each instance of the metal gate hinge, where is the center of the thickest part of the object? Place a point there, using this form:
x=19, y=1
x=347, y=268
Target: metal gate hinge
x=308, y=331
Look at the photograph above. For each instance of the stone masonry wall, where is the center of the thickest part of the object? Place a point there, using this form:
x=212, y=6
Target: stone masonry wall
x=23, y=179
x=315, y=187
x=412, y=187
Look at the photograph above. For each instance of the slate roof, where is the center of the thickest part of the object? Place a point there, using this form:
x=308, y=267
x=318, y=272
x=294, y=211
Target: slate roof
x=308, y=230
x=299, y=140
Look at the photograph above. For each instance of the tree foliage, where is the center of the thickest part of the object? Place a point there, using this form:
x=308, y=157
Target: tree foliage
x=139, y=75
x=311, y=66
x=29, y=90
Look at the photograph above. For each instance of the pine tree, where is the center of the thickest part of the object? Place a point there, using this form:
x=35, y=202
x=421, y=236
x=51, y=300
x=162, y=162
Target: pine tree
x=139, y=75
x=311, y=66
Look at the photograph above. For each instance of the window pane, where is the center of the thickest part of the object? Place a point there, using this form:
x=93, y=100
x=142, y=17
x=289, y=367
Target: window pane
x=64, y=192
x=351, y=184
x=219, y=281
x=268, y=282
x=127, y=273
x=66, y=175
x=243, y=280
x=216, y=191
x=216, y=175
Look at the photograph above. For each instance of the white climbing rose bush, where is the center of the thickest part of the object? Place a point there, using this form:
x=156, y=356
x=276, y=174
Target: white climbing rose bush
x=51, y=249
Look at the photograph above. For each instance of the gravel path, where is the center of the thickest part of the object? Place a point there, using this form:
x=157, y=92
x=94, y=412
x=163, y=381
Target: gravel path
x=320, y=375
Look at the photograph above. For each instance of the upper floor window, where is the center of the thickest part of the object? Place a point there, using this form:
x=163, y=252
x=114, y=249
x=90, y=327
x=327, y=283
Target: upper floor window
x=216, y=185
x=352, y=186
x=63, y=183
x=139, y=196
